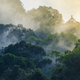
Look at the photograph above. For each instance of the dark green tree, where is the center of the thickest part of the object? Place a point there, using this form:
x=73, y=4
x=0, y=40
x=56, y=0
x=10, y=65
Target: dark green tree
x=68, y=66
x=9, y=60
x=38, y=75
x=27, y=50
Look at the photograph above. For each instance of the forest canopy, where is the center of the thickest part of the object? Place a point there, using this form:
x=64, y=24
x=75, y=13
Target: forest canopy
x=37, y=44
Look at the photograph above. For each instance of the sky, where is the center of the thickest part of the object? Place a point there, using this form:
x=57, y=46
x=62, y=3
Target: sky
x=65, y=7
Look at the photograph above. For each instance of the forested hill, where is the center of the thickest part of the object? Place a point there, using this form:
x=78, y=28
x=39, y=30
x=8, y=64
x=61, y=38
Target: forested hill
x=40, y=19
x=10, y=33
x=44, y=27
x=73, y=26
x=37, y=44
x=46, y=20
x=45, y=15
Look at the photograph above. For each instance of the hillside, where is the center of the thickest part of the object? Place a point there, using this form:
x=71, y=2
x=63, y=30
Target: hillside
x=10, y=33
x=37, y=44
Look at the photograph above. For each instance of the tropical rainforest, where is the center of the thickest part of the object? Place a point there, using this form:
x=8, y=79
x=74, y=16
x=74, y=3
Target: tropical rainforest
x=37, y=44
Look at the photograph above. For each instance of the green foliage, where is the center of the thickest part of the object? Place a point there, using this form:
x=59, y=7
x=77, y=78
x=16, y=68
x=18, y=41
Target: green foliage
x=14, y=73
x=58, y=74
x=43, y=62
x=53, y=54
x=9, y=60
x=46, y=15
x=20, y=74
x=60, y=42
x=67, y=51
x=51, y=38
x=19, y=32
x=27, y=50
x=43, y=31
x=22, y=48
x=68, y=38
x=68, y=67
x=38, y=75
x=47, y=18
x=12, y=34
x=34, y=40
x=77, y=43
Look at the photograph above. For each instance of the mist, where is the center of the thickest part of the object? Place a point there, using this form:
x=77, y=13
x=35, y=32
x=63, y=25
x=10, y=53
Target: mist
x=44, y=25
x=51, y=19
x=12, y=11
x=65, y=7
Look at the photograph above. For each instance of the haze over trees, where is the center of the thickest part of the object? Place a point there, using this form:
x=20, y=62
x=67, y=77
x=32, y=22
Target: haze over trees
x=37, y=44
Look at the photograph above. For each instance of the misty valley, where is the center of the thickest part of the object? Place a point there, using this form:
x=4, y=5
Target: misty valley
x=37, y=44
